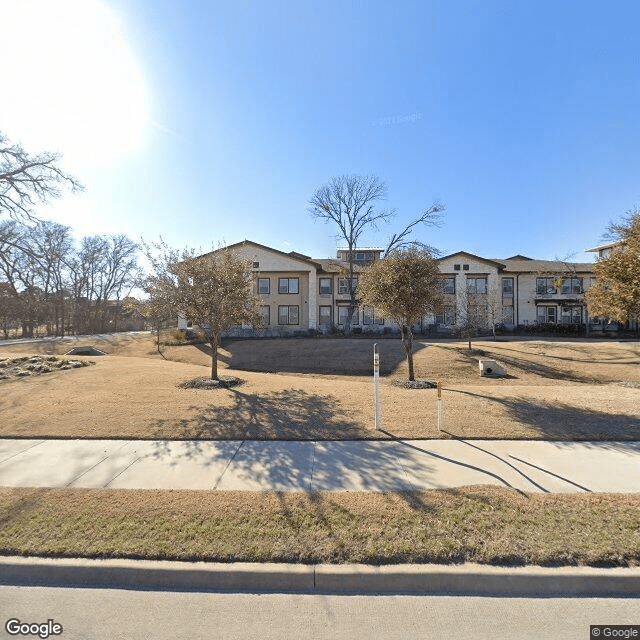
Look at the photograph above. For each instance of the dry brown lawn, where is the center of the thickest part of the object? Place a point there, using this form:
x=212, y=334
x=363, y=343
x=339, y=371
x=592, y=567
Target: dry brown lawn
x=475, y=524
x=322, y=389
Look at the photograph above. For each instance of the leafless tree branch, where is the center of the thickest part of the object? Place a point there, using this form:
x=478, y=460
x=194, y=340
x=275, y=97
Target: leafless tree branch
x=26, y=180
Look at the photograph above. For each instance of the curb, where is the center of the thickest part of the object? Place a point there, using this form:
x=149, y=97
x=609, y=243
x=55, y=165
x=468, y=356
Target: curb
x=428, y=579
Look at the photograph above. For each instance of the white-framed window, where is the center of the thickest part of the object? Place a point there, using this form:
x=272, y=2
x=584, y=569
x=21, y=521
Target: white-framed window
x=507, y=287
x=264, y=286
x=449, y=284
x=571, y=315
x=288, y=314
x=545, y=286
x=343, y=312
x=572, y=285
x=546, y=314
x=343, y=284
x=288, y=285
x=324, y=315
x=326, y=286
x=265, y=315
x=476, y=285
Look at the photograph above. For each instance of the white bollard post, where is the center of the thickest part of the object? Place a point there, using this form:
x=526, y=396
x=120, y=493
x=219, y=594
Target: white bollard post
x=440, y=408
x=376, y=385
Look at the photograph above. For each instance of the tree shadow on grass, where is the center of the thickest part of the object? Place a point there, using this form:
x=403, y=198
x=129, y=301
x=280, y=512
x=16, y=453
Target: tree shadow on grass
x=563, y=421
x=323, y=356
x=291, y=414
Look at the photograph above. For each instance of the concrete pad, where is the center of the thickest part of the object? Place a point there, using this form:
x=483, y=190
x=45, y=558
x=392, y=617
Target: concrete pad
x=358, y=466
x=10, y=448
x=269, y=466
x=177, y=465
x=56, y=463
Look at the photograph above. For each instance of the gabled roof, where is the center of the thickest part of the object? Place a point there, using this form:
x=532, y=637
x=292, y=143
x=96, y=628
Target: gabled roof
x=466, y=254
x=552, y=266
x=291, y=255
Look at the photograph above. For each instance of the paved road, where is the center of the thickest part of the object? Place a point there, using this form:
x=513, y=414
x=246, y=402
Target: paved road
x=92, y=614
x=532, y=466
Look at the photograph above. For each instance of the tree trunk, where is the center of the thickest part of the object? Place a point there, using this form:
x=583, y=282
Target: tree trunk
x=407, y=343
x=214, y=359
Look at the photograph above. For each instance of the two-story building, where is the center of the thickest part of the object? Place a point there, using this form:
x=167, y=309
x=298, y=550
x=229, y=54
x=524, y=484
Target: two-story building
x=298, y=292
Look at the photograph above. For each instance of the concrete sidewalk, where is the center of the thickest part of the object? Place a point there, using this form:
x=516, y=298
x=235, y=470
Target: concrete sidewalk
x=531, y=466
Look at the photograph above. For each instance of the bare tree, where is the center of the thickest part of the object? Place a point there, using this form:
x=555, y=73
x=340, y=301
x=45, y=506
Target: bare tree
x=474, y=312
x=351, y=203
x=215, y=291
x=405, y=286
x=28, y=179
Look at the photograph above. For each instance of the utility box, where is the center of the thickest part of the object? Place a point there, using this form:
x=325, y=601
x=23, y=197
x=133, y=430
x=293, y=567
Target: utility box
x=491, y=368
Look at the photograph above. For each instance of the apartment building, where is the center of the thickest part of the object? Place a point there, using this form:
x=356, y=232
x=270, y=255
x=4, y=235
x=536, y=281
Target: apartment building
x=299, y=293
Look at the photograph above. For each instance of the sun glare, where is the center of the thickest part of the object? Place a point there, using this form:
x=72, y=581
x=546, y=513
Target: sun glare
x=70, y=81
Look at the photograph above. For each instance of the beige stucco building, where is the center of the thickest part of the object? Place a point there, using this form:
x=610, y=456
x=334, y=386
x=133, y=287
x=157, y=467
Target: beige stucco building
x=300, y=293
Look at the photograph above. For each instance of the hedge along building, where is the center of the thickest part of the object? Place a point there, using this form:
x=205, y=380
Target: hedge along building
x=299, y=293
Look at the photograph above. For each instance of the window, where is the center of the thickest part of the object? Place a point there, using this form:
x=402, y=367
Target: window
x=571, y=315
x=325, y=286
x=465, y=267
x=545, y=286
x=343, y=284
x=263, y=286
x=507, y=315
x=288, y=285
x=476, y=285
x=343, y=312
x=456, y=267
x=371, y=316
x=546, y=314
x=324, y=315
x=265, y=316
x=507, y=287
x=288, y=314
x=572, y=285
x=447, y=316
x=449, y=285
x=256, y=265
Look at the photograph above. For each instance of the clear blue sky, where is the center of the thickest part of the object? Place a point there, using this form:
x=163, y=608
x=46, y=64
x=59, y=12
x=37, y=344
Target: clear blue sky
x=216, y=121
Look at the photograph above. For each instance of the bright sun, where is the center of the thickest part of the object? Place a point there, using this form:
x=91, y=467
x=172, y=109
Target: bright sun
x=70, y=81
